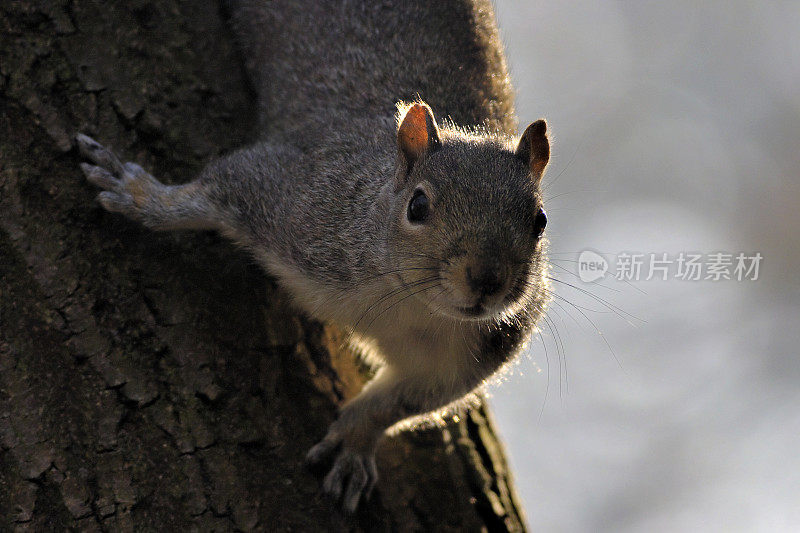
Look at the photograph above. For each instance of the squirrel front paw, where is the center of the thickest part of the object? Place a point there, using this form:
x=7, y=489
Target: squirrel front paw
x=127, y=187
x=353, y=473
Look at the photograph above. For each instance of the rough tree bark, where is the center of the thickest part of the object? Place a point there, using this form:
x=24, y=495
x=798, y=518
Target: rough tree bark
x=160, y=382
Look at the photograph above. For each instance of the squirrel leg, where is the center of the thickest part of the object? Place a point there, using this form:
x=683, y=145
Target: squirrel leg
x=390, y=397
x=130, y=190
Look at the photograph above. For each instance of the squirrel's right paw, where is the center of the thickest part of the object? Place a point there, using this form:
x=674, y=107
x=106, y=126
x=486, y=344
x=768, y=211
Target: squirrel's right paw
x=126, y=186
x=352, y=475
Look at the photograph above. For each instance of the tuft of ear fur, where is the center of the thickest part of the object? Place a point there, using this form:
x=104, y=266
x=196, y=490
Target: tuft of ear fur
x=417, y=133
x=534, y=148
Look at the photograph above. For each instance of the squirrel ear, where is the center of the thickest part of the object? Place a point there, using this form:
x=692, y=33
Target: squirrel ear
x=417, y=133
x=534, y=148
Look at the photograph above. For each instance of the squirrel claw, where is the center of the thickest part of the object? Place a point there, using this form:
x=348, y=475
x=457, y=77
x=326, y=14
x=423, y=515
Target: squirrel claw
x=126, y=186
x=352, y=476
x=320, y=457
x=99, y=154
x=99, y=176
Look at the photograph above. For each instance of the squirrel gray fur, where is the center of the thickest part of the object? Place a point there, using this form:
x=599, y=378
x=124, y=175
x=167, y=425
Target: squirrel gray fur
x=423, y=240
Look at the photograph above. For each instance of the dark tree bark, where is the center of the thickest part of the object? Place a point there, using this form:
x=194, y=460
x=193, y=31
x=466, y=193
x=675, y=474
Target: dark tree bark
x=161, y=382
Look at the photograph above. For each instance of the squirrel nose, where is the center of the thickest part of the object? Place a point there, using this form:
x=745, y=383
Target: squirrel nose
x=486, y=281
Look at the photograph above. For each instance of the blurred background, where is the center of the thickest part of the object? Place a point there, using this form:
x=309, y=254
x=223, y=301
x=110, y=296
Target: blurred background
x=662, y=405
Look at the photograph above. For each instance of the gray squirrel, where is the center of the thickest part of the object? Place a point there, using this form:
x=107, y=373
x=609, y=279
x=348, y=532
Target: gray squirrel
x=424, y=241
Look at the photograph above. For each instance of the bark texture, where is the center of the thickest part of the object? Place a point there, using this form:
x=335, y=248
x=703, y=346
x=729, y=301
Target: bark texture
x=161, y=382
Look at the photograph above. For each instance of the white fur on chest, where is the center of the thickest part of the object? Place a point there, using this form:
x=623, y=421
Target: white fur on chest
x=395, y=329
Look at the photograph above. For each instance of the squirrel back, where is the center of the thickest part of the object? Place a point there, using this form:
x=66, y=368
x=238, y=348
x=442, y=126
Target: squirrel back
x=311, y=61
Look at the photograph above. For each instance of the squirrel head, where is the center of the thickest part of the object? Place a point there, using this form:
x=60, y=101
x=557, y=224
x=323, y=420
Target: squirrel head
x=467, y=222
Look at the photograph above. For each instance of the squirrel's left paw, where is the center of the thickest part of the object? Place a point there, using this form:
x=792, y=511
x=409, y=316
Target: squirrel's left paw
x=352, y=476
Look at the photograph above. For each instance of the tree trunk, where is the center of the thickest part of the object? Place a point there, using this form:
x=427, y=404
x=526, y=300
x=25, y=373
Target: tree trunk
x=161, y=382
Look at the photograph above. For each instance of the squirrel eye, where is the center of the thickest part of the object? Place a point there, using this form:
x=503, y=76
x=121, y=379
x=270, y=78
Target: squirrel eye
x=540, y=223
x=418, y=207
